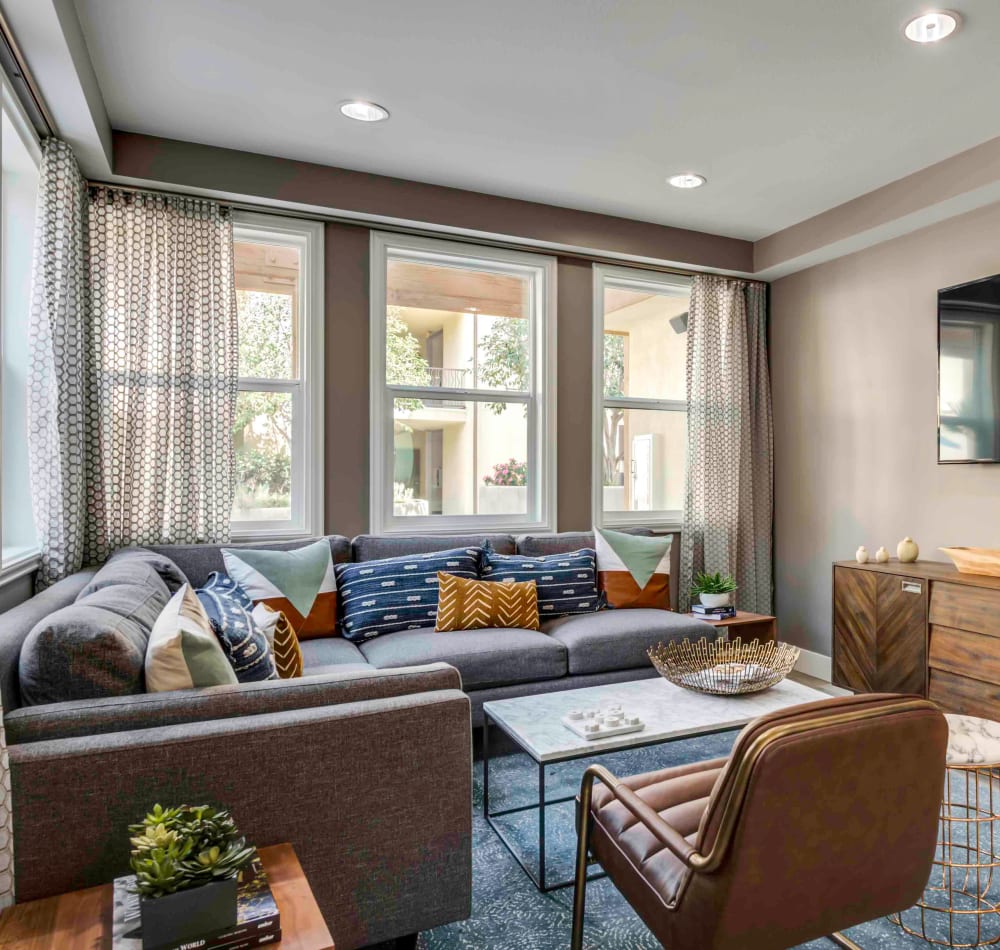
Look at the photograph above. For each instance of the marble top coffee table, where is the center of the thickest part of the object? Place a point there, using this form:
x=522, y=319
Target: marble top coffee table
x=668, y=712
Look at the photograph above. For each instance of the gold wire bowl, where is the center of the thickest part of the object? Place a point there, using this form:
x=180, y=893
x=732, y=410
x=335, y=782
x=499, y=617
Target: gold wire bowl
x=724, y=667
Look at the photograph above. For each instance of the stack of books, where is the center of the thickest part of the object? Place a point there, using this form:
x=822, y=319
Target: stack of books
x=713, y=613
x=257, y=920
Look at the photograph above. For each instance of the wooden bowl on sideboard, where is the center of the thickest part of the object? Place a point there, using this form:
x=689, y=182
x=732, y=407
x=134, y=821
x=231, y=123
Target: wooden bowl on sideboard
x=975, y=560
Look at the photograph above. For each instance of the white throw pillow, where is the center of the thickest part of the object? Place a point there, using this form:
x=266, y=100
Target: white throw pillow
x=183, y=650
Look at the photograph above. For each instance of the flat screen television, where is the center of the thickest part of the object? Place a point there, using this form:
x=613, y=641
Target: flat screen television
x=969, y=372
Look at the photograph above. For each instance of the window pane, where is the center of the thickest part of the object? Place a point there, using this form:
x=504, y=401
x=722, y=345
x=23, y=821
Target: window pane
x=644, y=453
x=645, y=344
x=263, y=434
x=459, y=458
x=456, y=327
x=267, y=298
x=20, y=181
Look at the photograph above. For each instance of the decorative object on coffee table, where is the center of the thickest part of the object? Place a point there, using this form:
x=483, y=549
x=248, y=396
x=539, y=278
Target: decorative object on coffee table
x=186, y=861
x=713, y=590
x=975, y=560
x=960, y=906
x=723, y=667
x=611, y=720
x=907, y=550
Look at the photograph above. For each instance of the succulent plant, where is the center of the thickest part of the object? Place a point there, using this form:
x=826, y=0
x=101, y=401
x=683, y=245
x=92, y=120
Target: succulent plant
x=174, y=849
x=712, y=584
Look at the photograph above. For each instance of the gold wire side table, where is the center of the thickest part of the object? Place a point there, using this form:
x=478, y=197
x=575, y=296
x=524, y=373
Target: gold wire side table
x=961, y=905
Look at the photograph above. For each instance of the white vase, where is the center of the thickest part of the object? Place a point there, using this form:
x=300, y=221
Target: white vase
x=907, y=550
x=715, y=600
x=861, y=555
x=882, y=556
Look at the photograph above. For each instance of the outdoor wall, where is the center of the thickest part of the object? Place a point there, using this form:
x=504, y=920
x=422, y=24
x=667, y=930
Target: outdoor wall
x=854, y=379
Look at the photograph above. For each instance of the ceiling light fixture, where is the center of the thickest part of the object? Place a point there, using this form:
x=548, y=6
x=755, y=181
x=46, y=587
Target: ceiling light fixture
x=364, y=111
x=931, y=27
x=686, y=180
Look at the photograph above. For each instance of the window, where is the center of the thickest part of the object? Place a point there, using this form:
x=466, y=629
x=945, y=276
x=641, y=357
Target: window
x=278, y=264
x=640, y=408
x=19, y=157
x=463, y=426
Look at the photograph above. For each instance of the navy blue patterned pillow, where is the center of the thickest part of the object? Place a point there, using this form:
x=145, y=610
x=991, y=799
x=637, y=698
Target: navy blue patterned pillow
x=397, y=593
x=229, y=611
x=567, y=583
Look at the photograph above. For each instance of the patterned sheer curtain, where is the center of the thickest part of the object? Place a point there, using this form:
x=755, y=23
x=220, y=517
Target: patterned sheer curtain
x=162, y=371
x=729, y=498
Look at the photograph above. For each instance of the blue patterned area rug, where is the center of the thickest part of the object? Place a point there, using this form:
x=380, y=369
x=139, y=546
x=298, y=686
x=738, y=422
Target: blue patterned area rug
x=508, y=911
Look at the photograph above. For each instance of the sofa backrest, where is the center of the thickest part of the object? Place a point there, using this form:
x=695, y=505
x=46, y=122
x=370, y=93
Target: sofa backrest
x=197, y=561
x=369, y=547
x=19, y=621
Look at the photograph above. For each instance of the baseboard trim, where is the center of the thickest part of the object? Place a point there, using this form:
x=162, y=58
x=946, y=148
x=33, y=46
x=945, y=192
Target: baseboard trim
x=814, y=664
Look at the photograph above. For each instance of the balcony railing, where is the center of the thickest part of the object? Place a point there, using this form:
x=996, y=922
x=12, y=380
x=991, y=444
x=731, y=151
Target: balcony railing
x=446, y=377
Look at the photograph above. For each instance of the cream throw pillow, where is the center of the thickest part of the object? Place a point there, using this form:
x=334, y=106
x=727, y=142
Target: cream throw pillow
x=183, y=650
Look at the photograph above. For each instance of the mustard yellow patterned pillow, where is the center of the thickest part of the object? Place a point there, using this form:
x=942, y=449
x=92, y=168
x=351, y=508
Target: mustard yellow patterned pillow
x=465, y=604
x=283, y=640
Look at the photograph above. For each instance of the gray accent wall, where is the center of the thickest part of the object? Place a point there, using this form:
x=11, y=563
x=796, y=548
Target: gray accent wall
x=854, y=379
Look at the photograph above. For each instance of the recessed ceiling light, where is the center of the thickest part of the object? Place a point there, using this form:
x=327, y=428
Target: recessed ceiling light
x=364, y=111
x=931, y=27
x=686, y=180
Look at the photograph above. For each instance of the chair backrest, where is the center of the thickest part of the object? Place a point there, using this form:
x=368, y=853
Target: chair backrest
x=825, y=816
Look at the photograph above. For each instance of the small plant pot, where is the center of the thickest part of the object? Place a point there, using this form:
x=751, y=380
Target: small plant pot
x=715, y=600
x=188, y=915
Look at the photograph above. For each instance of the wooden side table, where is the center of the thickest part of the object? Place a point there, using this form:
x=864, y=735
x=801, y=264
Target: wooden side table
x=746, y=626
x=83, y=918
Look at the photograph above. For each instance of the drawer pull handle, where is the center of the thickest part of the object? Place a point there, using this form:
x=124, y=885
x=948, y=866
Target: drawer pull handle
x=911, y=587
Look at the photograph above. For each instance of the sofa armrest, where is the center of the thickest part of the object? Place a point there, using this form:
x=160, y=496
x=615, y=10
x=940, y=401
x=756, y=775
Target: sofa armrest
x=375, y=797
x=87, y=717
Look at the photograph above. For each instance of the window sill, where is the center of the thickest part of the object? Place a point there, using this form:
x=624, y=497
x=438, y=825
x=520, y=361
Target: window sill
x=17, y=562
x=278, y=534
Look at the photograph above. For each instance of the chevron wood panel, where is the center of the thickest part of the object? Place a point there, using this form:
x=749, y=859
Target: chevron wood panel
x=854, y=655
x=901, y=644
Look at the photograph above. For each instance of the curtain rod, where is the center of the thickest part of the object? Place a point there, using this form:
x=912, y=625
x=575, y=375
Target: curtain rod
x=23, y=82
x=263, y=208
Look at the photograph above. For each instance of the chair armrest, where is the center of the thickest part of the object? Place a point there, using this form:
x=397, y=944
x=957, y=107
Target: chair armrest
x=88, y=717
x=666, y=834
x=375, y=797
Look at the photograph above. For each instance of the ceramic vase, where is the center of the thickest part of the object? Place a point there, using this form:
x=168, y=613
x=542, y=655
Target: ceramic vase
x=881, y=555
x=907, y=550
x=861, y=555
x=715, y=600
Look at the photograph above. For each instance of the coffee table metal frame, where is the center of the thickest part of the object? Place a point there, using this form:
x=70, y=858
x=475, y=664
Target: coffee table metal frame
x=538, y=877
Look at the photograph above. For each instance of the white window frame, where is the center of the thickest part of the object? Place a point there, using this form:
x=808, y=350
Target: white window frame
x=306, y=391
x=19, y=561
x=540, y=398
x=627, y=278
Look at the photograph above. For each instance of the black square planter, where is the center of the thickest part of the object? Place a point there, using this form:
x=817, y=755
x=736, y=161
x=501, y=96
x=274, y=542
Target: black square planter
x=188, y=915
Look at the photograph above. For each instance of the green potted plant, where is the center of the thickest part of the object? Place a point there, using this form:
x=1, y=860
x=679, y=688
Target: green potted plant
x=714, y=590
x=186, y=862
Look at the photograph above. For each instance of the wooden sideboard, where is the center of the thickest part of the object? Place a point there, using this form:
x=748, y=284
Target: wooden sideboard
x=918, y=628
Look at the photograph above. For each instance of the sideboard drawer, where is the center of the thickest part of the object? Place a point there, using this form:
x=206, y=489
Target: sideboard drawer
x=965, y=608
x=960, y=694
x=967, y=654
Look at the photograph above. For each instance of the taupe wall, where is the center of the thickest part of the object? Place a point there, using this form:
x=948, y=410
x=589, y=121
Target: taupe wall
x=854, y=378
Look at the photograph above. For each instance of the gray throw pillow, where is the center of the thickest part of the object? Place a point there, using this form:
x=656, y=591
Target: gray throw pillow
x=96, y=646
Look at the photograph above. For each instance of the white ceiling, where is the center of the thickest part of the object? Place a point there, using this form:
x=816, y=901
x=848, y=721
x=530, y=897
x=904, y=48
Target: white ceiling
x=789, y=107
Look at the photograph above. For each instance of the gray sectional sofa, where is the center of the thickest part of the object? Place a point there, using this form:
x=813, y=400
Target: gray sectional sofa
x=364, y=764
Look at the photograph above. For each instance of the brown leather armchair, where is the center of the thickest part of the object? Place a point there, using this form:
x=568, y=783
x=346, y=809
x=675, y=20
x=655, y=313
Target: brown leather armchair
x=824, y=816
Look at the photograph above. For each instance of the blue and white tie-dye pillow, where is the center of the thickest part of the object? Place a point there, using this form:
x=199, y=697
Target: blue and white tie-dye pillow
x=567, y=583
x=229, y=610
x=397, y=593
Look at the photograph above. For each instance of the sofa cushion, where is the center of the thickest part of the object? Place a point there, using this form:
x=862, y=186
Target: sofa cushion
x=538, y=545
x=397, y=593
x=96, y=646
x=567, y=583
x=230, y=612
x=618, y=639
x=197, y=561
x=487, y=657
x=465, y=604
x=331, y=655
x=300, y=583
x=633, y=571
x=370, y=547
